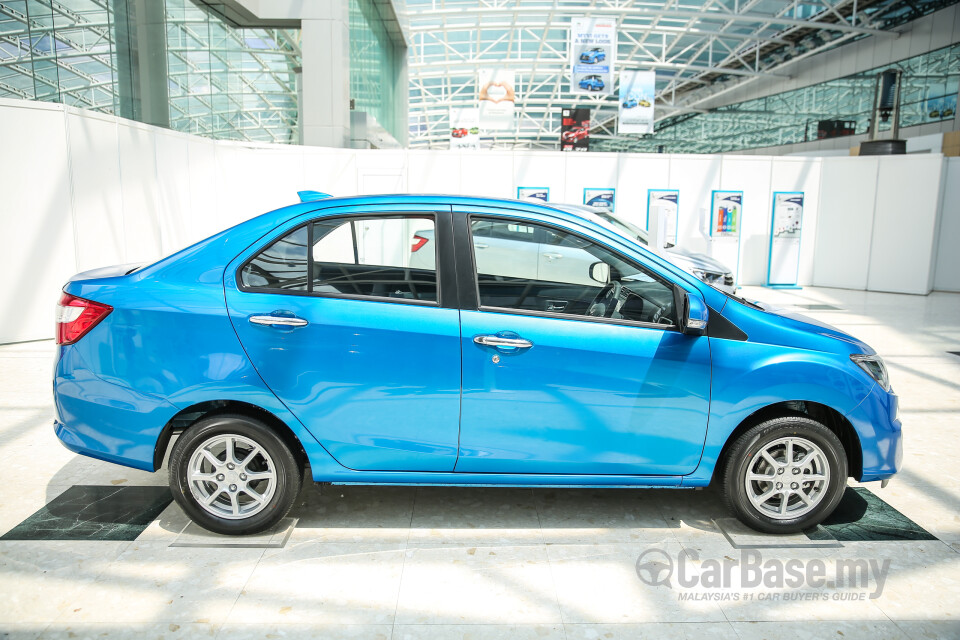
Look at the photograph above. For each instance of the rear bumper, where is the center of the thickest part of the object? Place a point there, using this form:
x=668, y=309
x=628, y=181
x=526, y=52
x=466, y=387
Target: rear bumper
x=103, y=419
x=881, y=437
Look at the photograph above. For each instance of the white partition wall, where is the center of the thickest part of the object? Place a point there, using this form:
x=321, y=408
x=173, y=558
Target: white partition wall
x=947, y=270
x=81, y=190
x=639, y=174
x=36, y=220
x=488, y=174
x=904, y=224
x=878, y=223
x=97, y=197
x=539, y=169
x=848, y=191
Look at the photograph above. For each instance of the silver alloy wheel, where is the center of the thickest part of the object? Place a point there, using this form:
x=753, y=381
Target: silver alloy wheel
x=232, y=477
x=787, y=478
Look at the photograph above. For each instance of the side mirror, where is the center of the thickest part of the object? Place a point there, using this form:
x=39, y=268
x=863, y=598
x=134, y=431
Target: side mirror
x=692, y=311
x=600, y=272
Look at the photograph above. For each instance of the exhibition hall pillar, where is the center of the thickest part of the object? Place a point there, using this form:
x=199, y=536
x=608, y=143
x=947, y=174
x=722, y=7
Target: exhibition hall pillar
x=325, y=106
x=140, y=33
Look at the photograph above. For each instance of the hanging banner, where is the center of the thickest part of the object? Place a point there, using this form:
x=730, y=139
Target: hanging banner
x=667, y=200
x=638, y=91
x=464, y=128
x=783, y=266
x=600, y=199
x=593, y=49
x=725, y=214
x=537, y=194
x=575, y=130
x=497, y=99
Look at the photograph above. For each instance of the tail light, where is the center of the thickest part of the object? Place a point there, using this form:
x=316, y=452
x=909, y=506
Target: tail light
x=76, y=316
x=418, y=242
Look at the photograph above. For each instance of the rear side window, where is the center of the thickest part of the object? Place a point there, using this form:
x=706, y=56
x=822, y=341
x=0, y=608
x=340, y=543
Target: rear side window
x=379, y=257
x=281, y=266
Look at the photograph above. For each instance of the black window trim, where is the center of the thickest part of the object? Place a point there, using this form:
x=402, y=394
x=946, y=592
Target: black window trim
x=468, y=218
x=353, y=217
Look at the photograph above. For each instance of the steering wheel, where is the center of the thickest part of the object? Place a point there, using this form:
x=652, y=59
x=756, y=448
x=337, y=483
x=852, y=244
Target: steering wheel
x=607, y=301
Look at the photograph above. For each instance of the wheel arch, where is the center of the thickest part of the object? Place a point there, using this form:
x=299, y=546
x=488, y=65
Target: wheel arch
x=189, y=416
x=826, y=415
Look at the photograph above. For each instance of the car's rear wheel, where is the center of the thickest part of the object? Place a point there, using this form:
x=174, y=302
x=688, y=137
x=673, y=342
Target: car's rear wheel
x=785, y=475
x=234, y=475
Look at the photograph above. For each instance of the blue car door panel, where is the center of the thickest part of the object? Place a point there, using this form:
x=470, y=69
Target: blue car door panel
x=560, y=378
x=585, y=398
x=362, y=353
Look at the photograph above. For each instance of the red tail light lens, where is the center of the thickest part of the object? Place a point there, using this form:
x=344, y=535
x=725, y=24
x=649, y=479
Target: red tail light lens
x=76, y=316
x=418, y=242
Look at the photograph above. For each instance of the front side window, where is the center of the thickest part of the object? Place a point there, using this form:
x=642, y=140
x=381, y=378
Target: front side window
x=571, y=276
x=362, y=256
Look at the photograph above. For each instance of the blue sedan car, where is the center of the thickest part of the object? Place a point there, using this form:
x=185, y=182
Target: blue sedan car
x=311, y=336
x=593, y=56
x=591, y=83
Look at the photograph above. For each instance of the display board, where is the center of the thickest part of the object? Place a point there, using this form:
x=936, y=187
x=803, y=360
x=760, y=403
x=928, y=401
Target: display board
x=575, y=129
x=464, y=128
x=725, y=210
x=637, y=95
x=669, y=200
x=593, y=49
x=497, y=98
x=602, y=199
x=786, y=222
x=726, y=213
x=537, y=194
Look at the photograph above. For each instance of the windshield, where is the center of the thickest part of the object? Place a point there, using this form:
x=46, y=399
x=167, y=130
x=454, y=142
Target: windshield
x=628, y=229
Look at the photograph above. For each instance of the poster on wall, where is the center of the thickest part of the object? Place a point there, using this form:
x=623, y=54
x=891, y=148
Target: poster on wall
x=637, y=94
x=537, y=194
x=669, y=201
x=497, y=99
x=593, y=49
x=464, y=128
x=725, y=210
x=783, y=268
x=600, y=199
x=575, y=130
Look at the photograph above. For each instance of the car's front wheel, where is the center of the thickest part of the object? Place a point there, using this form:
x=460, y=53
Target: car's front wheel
x=785, y=475
x=234, y=475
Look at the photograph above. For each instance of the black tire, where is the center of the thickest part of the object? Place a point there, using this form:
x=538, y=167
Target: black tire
x=287, y=474
x=751, y=443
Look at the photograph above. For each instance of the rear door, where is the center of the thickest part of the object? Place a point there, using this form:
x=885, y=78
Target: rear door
x=361, y=346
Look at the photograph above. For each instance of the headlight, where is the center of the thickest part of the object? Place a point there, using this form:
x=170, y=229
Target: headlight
x=707, y=276
x=874, y=366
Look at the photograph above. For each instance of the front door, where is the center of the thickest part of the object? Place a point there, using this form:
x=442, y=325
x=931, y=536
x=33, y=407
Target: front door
x=355, y=341
x=579, y=373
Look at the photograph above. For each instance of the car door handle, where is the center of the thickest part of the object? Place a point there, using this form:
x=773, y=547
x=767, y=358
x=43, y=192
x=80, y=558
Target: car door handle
x=278, y=321
x=498, y=341
x=480, y=245
x=553, y=256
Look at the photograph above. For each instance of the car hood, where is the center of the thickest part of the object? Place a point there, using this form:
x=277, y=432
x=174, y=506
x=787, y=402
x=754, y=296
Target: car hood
x=696, y=260
x=815, y=326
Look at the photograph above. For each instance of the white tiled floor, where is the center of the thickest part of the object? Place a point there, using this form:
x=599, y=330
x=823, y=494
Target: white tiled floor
x=399, y=562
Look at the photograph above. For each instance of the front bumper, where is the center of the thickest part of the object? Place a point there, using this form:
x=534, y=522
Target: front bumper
x=881, y=439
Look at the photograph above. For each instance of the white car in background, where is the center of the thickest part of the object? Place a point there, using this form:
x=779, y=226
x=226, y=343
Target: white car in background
x=496, y=251
x=705, y=268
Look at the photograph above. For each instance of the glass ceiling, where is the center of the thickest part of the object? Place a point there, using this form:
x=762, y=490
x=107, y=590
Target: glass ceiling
x=223, y=82
x=697, y=47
